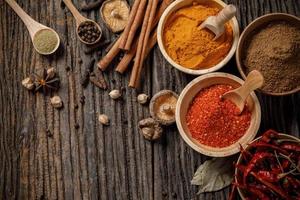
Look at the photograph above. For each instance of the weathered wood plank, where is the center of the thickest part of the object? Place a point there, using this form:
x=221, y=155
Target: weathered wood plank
x=44, y=155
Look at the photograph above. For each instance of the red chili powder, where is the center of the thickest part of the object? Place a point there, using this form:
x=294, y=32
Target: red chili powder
x=214, y=122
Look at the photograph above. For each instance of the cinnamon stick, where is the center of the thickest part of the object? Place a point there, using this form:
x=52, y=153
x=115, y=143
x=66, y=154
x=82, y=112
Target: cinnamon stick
x=123, y=65
x=143, y=40
x=137, y=22
x=127, y=58
x=131, y=20
x=106, y=60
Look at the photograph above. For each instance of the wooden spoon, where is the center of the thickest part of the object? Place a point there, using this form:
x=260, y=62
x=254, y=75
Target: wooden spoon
x=216, y=23
x=239, y=95
x=32, y=25
x=81, y=19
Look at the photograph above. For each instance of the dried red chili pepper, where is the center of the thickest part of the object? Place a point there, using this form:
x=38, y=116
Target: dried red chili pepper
x=255, y=159
x=273, y=187
x=293, y=182
x=285, y=164
x=268, y=176
x=291, y=147
x=270, y=146
x=256, y=192
x=260, y=187
x=269, y=135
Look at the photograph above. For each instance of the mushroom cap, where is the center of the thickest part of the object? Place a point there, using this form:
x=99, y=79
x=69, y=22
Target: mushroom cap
x=115, y=14
x=163, y=106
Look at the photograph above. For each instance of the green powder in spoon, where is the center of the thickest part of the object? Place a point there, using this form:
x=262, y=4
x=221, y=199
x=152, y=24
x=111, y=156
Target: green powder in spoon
x=45, y=41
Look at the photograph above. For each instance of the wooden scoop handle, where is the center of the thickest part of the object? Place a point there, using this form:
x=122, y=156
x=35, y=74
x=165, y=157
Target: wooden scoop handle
x=78, y=17
x=254, y=80
x=225, y=14
x=30, y=23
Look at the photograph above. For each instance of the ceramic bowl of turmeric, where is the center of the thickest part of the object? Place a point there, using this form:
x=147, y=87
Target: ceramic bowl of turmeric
x=187, y=47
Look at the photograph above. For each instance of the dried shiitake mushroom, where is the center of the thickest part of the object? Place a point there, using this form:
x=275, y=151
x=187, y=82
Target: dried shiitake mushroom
x=115, y=14
x=150, y=129
x=163, y=106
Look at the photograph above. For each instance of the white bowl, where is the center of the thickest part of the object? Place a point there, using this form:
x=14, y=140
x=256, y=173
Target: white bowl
x=187, y=96
x=179, y=4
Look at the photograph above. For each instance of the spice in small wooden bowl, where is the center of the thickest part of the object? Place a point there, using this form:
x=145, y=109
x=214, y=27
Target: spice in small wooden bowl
x=208, y=124
x=89, y=32
x=189, y=48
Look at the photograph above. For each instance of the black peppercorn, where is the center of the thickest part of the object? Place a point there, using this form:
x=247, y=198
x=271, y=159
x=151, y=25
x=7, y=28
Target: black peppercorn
x=88, y=32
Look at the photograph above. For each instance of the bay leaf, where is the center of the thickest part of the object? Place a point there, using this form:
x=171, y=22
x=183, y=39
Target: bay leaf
x=214, y=175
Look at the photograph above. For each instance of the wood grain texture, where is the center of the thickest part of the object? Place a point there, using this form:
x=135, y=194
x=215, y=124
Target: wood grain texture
x=43, y=155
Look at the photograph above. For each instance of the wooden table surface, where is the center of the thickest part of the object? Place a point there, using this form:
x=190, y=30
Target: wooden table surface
x=93, y=161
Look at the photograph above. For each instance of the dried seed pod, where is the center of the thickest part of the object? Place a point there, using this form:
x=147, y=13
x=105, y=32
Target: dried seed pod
x=150, y=129
x=51, y=72
x=28, y=83
x=115, y=14
x=142, y=98
x=56, y=102
x=103, y=119
x=115, y=94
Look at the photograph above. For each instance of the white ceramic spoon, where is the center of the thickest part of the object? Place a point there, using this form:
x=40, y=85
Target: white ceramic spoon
x=32, y=25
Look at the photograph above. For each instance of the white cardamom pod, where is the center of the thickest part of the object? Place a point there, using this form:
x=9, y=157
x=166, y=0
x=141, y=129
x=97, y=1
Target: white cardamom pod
x=115, y=94
x=142, y=98
x=56, y=102
x=103, y=119
x=28, y=83
x=51, y=72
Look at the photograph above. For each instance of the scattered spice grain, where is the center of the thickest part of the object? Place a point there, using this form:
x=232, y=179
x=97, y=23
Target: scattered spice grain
x=214, y=122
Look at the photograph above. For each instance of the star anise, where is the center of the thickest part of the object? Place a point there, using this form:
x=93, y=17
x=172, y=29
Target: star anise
x=46, y=81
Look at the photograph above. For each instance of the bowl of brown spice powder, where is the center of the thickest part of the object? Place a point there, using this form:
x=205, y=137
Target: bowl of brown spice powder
x=271, y=45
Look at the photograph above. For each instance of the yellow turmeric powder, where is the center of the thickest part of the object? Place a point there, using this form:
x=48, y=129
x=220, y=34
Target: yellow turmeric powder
x=190, y=46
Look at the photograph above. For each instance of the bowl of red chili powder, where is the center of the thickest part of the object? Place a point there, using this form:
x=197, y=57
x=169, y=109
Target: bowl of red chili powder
x=211, y=125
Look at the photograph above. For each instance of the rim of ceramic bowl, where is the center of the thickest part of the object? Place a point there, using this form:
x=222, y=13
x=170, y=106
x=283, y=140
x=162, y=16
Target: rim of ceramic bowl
x=258, y=22
x=213, y=151
x=240, y=157
x=160, y=27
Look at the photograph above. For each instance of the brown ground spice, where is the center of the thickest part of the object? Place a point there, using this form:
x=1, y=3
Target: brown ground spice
x=275, y=52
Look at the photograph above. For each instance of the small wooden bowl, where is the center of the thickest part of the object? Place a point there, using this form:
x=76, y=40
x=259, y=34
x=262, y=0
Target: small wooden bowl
x=187, y=96
x=281, y=135
x=253, y=26
x=160, y=29
x=96, y=24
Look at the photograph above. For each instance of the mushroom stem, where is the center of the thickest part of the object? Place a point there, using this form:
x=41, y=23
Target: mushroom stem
x=167, y=108
x=115, y=14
